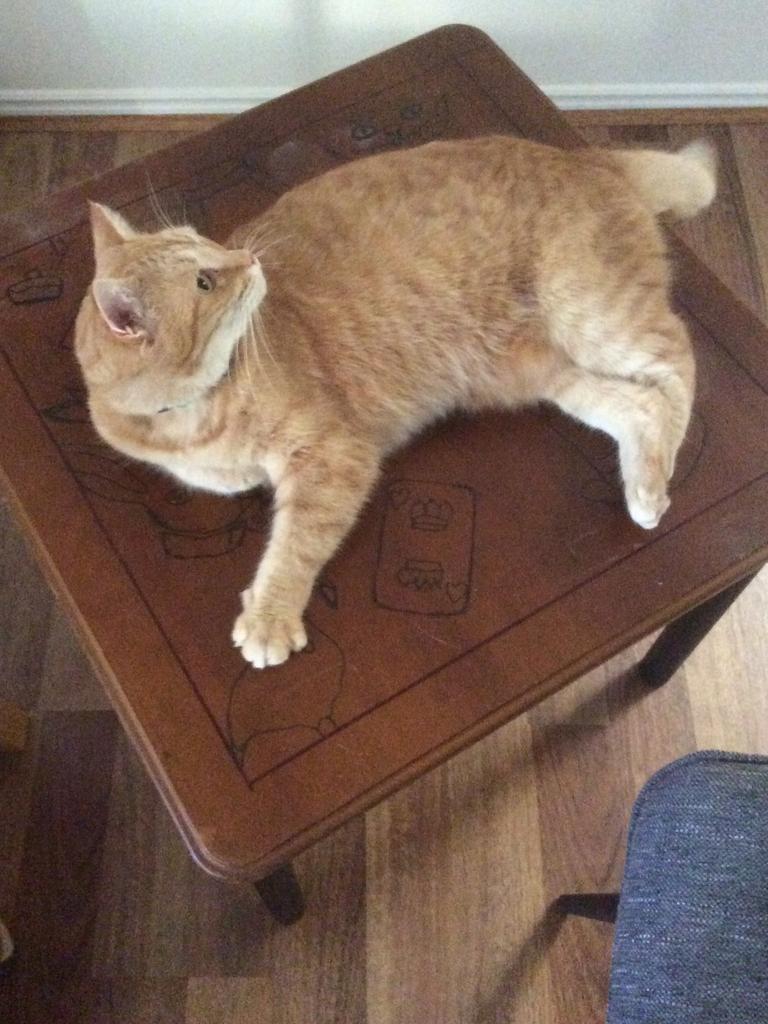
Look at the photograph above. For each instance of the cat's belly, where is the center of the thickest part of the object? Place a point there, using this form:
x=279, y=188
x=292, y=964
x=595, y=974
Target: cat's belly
x=216, y=479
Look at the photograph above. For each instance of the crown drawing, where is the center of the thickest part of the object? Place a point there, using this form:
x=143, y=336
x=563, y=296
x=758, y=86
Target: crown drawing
x=431, y=515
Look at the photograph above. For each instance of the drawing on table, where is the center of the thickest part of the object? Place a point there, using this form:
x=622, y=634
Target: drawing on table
x=426, y=542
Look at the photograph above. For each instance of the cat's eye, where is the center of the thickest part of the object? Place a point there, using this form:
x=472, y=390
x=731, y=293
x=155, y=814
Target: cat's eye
x=206, y=282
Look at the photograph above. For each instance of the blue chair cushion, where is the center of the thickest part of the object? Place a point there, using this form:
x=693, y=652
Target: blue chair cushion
x=691, y=942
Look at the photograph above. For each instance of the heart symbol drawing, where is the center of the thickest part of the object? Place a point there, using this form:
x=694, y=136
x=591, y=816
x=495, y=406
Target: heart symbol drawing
x=457, y=592
x=398, y=495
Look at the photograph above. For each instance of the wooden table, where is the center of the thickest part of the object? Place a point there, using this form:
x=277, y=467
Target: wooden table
x=495, y=564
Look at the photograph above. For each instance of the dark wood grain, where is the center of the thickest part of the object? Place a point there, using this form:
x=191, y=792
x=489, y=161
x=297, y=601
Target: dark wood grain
x=26, y=167
x=76, y=157
x=433, y=884
x=256, y=768
x=14, y=728
x=236, y=1001
x=134, y=1001
x=586, y=748
x=25, y=612
x=583, y=781
x=56, y=902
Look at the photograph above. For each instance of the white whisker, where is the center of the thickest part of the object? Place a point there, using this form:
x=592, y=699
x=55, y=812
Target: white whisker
x=263, y=334
x=162, y=217
x=257, y=337
x=272, y=243
x=262, y=239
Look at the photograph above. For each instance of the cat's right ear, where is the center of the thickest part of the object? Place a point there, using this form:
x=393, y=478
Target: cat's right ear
x=109, y=228
x=121, y=309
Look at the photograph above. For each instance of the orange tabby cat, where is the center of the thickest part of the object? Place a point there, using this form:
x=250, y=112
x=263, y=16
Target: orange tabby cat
x=457, y=275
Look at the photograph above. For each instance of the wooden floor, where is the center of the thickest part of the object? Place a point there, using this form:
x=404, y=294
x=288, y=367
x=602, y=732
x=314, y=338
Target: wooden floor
x=433, y=908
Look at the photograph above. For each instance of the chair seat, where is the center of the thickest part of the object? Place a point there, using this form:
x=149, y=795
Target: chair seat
x=691, y=941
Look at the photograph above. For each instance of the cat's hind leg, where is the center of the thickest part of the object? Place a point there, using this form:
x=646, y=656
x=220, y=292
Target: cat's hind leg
x=648, y=421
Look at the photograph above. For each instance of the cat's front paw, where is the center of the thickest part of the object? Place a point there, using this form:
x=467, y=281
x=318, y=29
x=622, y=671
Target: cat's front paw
x=647, y=505
x=266, y=636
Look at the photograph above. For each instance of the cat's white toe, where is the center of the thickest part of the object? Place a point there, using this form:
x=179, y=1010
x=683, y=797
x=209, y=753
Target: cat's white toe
x=646, y=506
x=267, y=639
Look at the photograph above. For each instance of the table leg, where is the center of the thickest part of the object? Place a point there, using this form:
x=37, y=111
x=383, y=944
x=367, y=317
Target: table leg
x=682, y=636
x=282, y=894
x=598, y=906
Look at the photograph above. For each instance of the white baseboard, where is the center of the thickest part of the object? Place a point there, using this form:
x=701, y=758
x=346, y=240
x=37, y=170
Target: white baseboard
x=202, y=100
x=650, y=96
x=104, y=102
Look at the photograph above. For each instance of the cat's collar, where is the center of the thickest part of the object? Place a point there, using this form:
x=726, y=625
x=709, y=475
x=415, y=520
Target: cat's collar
x=173, y=408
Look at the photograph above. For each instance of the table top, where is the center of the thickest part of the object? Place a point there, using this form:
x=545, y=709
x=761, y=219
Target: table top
x=495, y=563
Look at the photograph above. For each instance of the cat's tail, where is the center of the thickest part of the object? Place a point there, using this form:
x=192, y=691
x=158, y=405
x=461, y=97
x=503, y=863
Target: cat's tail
x=681, y=183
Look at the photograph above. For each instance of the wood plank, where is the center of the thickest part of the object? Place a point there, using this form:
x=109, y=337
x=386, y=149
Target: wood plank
x=133, y=1001
x=17, y=776
x=76, y=157
x=136, y=145
x=55, y=908
x=332, y=985
x=583, y=793
x=68, y=681
x=160, y=916
x=727, y=677
x=24, y=168
x=234, y=1001
x=125, y=124
x=669, y=116
x=591, y=758
x=14, y=726
x=25, y=614
x=455, y=894
x=750, y=146
x=144, y=919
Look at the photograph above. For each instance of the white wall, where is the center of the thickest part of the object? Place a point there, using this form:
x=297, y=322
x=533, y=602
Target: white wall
x=221, y=55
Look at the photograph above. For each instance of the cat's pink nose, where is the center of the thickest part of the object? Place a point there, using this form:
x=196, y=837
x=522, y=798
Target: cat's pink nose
x=249, y=259
x=239, y=258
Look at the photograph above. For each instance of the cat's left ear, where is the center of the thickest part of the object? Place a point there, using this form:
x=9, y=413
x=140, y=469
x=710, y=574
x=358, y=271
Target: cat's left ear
x=121, y=308
x=109, y=228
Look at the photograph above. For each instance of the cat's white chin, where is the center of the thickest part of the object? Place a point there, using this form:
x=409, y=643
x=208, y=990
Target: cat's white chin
x=231, y=329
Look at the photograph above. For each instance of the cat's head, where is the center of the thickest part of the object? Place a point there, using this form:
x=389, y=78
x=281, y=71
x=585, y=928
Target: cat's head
x=164, y=313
